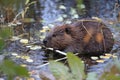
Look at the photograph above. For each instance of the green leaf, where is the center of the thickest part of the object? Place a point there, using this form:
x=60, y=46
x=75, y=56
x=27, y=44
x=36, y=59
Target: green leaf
x=6, y=32
x=60, y=71
x=92, y=76
x=76, y=66
x=116, y=62
x=21, y=71
x=7, y=67
x=113, y=73
x=2, y=44
x=11, y=69
x=111, y=76
x=79, y=3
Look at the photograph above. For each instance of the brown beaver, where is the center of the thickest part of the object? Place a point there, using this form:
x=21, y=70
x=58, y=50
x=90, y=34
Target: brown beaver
x=84, y=36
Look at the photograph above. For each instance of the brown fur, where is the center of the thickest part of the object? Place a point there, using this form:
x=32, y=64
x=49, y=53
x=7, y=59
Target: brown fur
x=91, y=37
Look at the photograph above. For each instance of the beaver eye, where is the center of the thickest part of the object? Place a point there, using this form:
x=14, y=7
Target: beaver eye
x=54, y=35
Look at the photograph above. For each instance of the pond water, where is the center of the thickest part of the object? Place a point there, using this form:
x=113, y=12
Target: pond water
x=107, y=10
x=57, y=12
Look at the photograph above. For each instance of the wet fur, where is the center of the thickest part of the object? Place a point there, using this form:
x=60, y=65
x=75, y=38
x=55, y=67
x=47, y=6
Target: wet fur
x=91, y=37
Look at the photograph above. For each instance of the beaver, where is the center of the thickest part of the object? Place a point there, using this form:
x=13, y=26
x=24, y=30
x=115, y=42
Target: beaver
x=84, y=36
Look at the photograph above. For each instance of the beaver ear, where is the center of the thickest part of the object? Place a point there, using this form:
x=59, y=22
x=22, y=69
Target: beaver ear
x=68, y=30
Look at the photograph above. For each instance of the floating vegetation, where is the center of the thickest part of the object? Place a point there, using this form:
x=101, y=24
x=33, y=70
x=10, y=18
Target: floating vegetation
x=5, y=34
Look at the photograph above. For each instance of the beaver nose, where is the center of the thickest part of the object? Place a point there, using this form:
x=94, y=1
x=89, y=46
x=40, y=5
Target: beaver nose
x=45, y=41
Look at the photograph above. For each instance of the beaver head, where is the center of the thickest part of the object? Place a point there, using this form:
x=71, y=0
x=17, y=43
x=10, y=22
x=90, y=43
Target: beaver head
x=59, y=37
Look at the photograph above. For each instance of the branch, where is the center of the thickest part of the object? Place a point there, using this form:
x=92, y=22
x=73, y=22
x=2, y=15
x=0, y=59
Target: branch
x=58, y=51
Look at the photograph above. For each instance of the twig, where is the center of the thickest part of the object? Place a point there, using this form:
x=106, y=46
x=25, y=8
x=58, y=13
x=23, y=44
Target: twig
x=103, y=40
x=58, y=51
x=23, y=11
x=91, y=20
x=17, y=15
x=86, y=29
x=49, y=63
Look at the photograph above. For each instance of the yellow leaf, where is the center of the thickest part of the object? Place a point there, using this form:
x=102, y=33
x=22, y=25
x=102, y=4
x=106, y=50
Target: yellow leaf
x=59, y=19
x=25, y=57
x=62, y=7
x=14, y=54
x=30, y=79
x=100, y=61
x=94, y=58
x=24, y=41
x=75, y=16
x=18, y=56
x=23, y=65
x=111, y=22
x=29, y=60
x=105, y=57
x=43, y=30
x=45, y=27
x=108, y=54
x=35, y=47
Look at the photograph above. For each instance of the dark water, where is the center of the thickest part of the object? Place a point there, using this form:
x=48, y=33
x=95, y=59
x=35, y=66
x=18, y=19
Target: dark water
x=51, y=10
